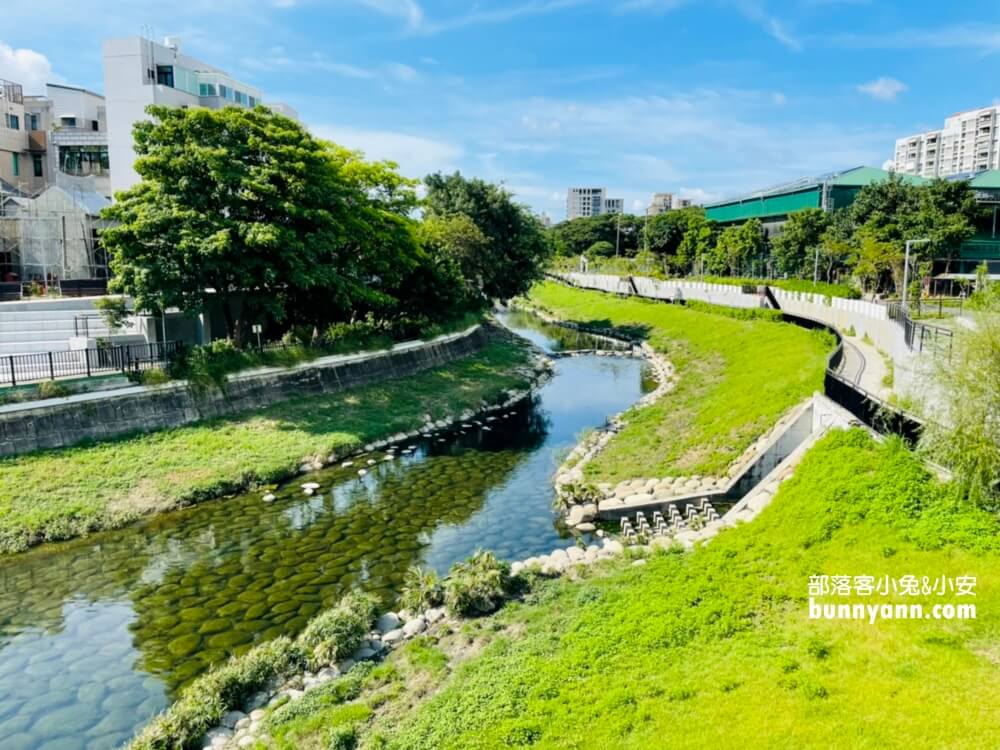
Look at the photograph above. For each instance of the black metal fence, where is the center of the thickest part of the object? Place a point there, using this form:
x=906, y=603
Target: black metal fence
x=921, y=336
x=29, y=368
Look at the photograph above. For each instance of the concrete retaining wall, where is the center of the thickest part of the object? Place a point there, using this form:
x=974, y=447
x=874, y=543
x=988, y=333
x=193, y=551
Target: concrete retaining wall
x=57, y=423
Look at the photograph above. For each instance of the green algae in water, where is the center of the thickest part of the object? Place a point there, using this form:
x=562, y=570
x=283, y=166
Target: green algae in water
x=101, y=632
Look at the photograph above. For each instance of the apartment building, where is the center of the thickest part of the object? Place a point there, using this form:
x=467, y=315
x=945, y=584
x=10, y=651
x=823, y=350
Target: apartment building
x=68, y=134
x=590, y=201
x=139, y=72
x=17, y=174
x=968, y=142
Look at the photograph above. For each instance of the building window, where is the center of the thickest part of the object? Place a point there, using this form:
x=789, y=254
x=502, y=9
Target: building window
x=224, y=91
x=16, y=165
x=165, y=75
x=207, y=89
x=12, y=121
x=68, y=122
x=36, y=161
x=33, y=121
x=95, y=125
x=83, y=160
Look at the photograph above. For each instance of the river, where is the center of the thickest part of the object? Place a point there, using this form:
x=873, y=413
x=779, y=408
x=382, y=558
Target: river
x=99, y=634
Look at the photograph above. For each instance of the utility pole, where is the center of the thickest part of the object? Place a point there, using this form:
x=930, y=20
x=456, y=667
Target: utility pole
x=906, y=266
x=816, y=267
x=618, y=234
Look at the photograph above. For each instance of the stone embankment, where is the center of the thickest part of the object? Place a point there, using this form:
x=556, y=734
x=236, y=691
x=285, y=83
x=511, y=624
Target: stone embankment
x=244, y=728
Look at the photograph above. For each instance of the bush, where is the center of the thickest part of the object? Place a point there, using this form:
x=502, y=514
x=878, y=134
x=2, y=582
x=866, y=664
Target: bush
x=204, y=702
x=477, y=586
x=152, y=376
x=357, y=336
x=422, y=590
x=338, y=632
x=52, y=389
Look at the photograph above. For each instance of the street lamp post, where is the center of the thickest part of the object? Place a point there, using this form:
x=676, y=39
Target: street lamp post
x=618, y=234
x=906, y=266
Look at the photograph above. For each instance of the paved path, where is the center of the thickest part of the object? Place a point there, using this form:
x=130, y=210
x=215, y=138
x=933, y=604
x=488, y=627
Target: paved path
x=865, y=366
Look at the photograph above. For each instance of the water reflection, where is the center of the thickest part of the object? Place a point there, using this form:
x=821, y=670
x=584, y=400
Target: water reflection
x=97, y=635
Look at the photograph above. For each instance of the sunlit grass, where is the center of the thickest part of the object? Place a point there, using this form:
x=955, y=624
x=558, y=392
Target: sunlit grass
x=736, y=378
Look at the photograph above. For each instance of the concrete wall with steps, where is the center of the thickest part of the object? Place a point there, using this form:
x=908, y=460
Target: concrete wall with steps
x=45, y=325
x=63, y=422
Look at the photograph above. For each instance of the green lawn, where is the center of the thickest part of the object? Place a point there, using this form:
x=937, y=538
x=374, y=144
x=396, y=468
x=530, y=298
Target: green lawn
x=714, y=648
x=736, y=378
x=64, y=493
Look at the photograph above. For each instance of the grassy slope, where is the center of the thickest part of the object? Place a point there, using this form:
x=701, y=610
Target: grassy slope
x=63, y=493
x=715, y=649
x=736, y=378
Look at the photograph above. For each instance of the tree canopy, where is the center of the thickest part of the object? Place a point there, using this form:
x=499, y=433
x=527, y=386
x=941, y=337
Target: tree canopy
x=246, y=210
x=515, y=249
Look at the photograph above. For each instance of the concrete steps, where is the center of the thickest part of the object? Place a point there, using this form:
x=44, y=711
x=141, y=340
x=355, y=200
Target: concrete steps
x=45, y=325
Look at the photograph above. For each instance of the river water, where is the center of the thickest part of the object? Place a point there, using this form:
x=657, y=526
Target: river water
x=97, y=635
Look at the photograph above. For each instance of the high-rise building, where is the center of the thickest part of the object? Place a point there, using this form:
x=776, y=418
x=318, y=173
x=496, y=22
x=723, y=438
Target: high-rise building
x=590, y=201
x=663, y=202
x=968, y=142
x=139, y=72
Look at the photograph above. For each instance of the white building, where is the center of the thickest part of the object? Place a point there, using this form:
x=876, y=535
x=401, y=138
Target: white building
x=969, y=142
x=588, y=201
x=68, y=134
x=663, y=202
x=139, y=72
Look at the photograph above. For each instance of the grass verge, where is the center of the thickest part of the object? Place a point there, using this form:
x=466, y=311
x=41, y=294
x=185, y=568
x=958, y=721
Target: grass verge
x=737, y=376
x=60, y=494
x=715, y=648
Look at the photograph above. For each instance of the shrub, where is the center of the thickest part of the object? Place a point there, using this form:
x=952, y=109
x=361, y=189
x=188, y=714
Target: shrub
x=422, y=590
x=204, y=702
x=154, y=376
x=478, y=585
x=52, y=389
x=353, y=337
x=338, y=632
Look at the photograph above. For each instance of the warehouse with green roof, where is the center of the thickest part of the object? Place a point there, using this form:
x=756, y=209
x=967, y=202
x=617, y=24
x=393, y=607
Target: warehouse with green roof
x=838, y=190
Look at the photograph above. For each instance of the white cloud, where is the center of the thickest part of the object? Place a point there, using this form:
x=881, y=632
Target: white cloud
x=775, y=28
x=25, y=66
x=417, y=156
x=884, y=89
x=779, y=98
x=401, y=72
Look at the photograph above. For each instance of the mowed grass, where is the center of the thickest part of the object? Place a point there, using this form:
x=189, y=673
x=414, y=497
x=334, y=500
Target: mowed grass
x=715, y=649
x=63, y=493
x=736, y=378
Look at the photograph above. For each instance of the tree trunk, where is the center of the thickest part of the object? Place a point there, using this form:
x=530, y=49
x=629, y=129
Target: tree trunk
x=227, y=313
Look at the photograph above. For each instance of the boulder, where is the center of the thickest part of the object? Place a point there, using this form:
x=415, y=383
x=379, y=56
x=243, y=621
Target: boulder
x=414, y=627
x=393, y=637
x=614, y=547
x=586, y=528
x=231, y=718
x=388, y=621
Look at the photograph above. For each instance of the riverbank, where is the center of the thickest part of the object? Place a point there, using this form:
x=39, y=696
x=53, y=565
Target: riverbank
x=737, y=372
x=60, y=494
x=619, y=657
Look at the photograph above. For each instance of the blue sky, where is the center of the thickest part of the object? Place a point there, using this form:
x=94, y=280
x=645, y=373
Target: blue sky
x=698, y=97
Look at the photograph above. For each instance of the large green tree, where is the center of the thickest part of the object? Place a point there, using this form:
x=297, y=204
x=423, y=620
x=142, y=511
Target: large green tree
x=575, y=237
x=795, y=250
x=737, y=248
x=516, y=248
x=245, y=208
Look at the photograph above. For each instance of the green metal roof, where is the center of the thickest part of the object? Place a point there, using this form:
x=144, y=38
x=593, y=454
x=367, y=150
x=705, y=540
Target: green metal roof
x=854, y=177
x=988, y=180
x=861, y=176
